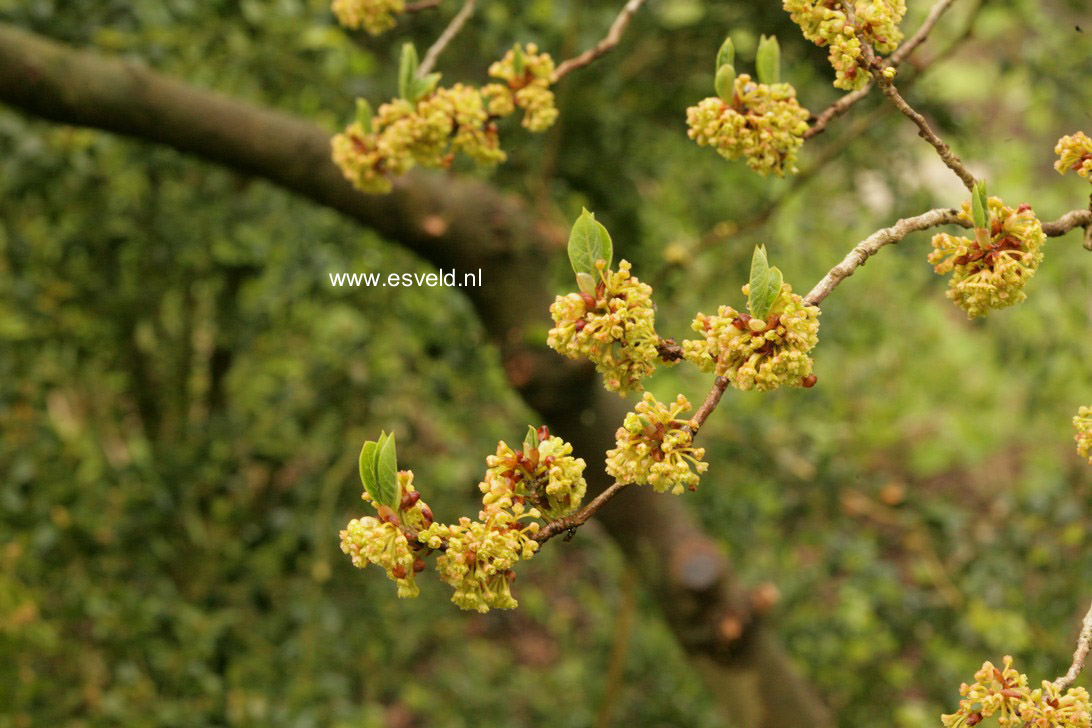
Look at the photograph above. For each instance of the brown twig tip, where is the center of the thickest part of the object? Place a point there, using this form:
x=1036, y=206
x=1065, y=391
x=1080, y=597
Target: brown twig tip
x=614, y=35
x=668, y=350
x=1084, y=643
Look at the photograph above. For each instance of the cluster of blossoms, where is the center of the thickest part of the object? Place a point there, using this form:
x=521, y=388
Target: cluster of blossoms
x=1083, y=423
x=445, y=121
x=992, y=270
x=614, y=328
x=1075, y=152
x=763, y=123
x=385, y=541
x=656, y=448
x=754, y=353
x=374, y=16
x=527, y=75
x=1004, y=692
x=544, y=474
x=824, y=22
x=542, y=480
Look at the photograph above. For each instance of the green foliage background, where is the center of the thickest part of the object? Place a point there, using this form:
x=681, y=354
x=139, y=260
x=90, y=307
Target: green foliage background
x=183, y=394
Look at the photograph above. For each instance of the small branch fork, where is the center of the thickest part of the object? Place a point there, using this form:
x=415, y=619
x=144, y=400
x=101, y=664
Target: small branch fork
x=857, y=257
x=1084, y=643
x=614, y=35
x=903, y=52
x=446, y=37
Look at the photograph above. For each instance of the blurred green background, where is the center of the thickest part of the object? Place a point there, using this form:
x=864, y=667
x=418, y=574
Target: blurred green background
x=183, y=394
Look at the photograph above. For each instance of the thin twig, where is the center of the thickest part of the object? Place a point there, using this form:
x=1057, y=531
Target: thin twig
x=903, y=52
x=1084, y=643
x=449, y=33
x=854, y=260
x=876, y=67
x=614, y=35
x=889, y=236
x=421, y=5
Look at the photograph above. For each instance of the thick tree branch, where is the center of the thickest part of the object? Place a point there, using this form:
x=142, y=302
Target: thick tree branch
x=452, y=223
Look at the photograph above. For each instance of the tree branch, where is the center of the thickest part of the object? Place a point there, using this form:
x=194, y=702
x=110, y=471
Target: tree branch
x=614, y=35
x=891, y=235
x=1084, y=643
x=684, y=568
x=446, y=37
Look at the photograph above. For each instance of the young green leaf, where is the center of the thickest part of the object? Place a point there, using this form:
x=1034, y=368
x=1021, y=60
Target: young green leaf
x=367, y=469
x=407, y=72
x=768, y=60
x=386, y=473
x=517, y=60
x=760, y=268
x=980, y=206
x=725, y=83
x=589, y=241
x=586, y=283
x=530, y=442
x=422, y=87
x=364, y=114
x=726, y=56
x=772, y=292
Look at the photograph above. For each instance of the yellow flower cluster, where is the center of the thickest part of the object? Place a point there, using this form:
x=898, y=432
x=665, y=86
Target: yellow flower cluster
x=1004, y=693
x=527, y=75
x=374, y=16
x=653, y=448
x=991, y=273
x=384, y=541
x=1075, y=152
x=825, y=23
x=614, y=328
x=761, y=354
x=1083, y=423
x=764, y=124
x=443, y=123
x=546, y=476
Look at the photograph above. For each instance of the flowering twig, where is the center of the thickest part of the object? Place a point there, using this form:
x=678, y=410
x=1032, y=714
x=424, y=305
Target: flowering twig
x=1084, y=643
x=891, y=235
x=876, y=68
x=614, y=35
x=843, y=104
x=446, y=37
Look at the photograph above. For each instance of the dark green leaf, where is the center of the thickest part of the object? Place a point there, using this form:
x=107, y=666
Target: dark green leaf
x=589, y=241
x=387, y=474
x=768, y=61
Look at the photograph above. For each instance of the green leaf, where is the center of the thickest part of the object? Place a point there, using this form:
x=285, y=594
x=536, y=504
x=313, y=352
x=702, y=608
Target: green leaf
x=422, y=87
x=407, y=71
x=725, y=83
x=367, y=469
x=726, y=56
x=774, y=279
x=530, y=442
x=517, y=59
x=589, y=241
x=768, y=60
x=364, y=114
x=386, y=473
x=980, y=205
x=586, y=283
x=760, y=269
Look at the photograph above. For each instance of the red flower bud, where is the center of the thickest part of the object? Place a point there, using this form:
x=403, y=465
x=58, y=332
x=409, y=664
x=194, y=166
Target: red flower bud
x=809, y=381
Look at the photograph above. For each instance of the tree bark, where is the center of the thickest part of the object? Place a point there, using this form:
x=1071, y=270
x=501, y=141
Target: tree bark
x=464, y=224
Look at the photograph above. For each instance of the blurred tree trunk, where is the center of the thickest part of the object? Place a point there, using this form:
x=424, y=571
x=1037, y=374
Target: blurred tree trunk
x=466, y=225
